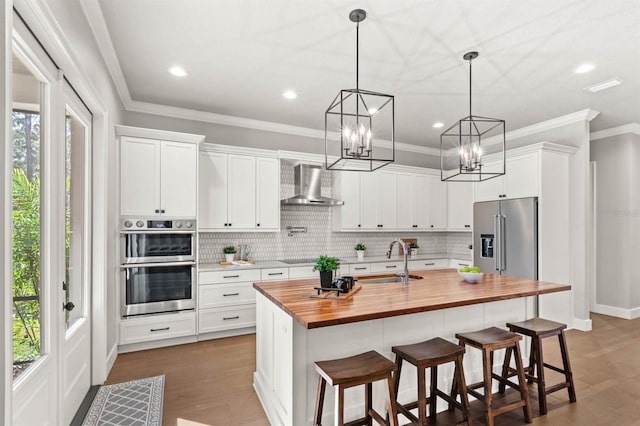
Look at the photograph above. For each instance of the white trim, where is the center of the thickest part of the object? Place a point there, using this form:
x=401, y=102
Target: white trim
x=582, y=324
x=111, y=357
x=615, y=311
x=98, y=26
x=143, y=346
x=141, y=132
x=239, y=150
x=633, y=128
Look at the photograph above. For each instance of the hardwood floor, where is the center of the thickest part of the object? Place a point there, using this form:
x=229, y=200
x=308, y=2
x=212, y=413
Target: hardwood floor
x=210, y=383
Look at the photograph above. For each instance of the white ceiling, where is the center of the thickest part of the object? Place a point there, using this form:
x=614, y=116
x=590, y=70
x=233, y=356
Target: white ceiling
x=241, y=55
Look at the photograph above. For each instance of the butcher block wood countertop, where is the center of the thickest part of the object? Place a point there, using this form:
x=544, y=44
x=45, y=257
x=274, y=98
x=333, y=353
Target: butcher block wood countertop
x=439, y=289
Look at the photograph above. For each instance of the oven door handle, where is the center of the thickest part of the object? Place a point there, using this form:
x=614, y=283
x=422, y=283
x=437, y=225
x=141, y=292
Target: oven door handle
x=157, y=231
x=147, y=265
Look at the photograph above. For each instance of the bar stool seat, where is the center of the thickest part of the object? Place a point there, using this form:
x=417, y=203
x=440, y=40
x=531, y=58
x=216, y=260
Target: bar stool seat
x=361, y=369
x=488, y=341
x=430, y=354
x=538, y=329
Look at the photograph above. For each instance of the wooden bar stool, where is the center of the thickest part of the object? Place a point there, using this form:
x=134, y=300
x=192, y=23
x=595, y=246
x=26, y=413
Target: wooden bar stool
x=488, y=341
x=425, y=355
x=362, y=369
x=538, y=329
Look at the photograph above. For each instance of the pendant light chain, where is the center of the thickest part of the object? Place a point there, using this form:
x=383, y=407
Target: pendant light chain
x=470, y=72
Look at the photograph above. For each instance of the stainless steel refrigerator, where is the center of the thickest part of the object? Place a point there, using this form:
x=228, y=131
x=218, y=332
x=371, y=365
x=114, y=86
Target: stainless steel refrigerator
x=505, y=237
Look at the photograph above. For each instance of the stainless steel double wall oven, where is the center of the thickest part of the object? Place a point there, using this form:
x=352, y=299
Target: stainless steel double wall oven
x=158, y=265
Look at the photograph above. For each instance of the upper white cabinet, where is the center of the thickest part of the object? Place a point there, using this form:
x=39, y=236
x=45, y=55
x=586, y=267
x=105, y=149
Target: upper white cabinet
x=460, y=206
x=412, y=201
x=436, y=203
x=238, y=192
x=521, y=179
x=158, y=172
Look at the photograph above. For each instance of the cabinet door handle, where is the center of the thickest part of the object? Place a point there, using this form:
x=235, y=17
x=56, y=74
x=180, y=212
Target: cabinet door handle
x=431, y=226
x=231, y=276
x=429, y=264
x=360, y=269
x=231, y=294
x=161, y=210
x=274, y=273
x=225, y=224
x=229, y=224
x=157, y=210
x=359, y=225
x=463, y=264
x=257, y=224
x=391, y=266
x=230, y=318
x=160, y=329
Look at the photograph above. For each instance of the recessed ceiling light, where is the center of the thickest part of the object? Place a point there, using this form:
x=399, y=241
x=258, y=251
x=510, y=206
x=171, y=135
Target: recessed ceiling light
x=584, y=68
x=438, y=124
x=290, y=94
x=598, y=87
x=178, y=71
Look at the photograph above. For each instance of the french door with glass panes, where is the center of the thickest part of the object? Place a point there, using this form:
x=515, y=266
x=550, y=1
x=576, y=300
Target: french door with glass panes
x=50, y=239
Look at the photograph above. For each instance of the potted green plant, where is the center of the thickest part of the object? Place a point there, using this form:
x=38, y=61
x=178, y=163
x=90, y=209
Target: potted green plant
x=326, y=265
x=360, y=248
x=229, y=253
x=413, y=247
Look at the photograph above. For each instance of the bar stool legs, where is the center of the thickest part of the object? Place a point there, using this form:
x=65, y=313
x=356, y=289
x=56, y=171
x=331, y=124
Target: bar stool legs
x=362, y=369
x=537, y=329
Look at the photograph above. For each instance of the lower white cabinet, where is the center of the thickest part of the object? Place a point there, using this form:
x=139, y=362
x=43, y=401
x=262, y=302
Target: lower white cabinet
x=390, y=267
x=157, y=327
x=457, y=263
x=217, y=295
x=422, y=265
x=303, y=272
x=227, y=318
x=356, y=269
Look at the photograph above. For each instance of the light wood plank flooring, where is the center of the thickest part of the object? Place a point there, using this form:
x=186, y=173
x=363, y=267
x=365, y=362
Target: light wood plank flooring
x=210, y=383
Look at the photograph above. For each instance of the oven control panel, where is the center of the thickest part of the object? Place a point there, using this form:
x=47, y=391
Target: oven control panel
x=137, y=224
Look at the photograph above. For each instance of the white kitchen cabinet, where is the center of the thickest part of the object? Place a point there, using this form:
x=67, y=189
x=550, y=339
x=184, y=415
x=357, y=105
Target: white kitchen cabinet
x=157, y=327
x=460, y=206
x=238, y=192
x=267, y=193
x=388, y=267
x=422, y=265
x=436, y=203
x=369, y=201
x=158, y=177
x=412, y=203
x=520, y=180
x=356, y=269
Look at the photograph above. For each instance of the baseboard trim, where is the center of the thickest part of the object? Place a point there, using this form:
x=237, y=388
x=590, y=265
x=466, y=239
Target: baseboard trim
x=615, y=311
x=582, y=324
x=111, y=358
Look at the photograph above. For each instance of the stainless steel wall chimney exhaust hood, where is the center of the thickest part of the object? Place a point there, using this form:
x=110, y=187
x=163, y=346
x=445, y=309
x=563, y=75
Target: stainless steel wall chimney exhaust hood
x=307, y=188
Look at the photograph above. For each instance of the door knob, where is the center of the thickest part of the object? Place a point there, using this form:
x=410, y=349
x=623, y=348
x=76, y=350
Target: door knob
x=68, y=306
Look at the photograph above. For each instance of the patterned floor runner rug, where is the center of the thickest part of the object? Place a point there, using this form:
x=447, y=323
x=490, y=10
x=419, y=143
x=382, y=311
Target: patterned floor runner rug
x=134, y=403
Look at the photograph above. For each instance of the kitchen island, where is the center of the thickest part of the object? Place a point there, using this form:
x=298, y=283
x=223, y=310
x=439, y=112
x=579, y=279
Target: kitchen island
x=293, y=330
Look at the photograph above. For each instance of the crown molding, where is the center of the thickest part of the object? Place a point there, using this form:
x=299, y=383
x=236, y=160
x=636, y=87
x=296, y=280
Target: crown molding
x=95, y=18
x=631, y=128
x=141, y=132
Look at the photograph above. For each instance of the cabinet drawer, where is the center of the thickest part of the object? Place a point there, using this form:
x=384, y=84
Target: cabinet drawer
x=218, y=319
x=458, y=263
x=158, y=327
x=387, y=267
x=215, y=295
x=275, y=274
x=303, y=272
x=359, y=268
x=231, y=276
x=417, y=265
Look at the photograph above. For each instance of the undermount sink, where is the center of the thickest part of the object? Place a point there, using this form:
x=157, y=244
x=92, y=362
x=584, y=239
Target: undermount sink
x=385, y=279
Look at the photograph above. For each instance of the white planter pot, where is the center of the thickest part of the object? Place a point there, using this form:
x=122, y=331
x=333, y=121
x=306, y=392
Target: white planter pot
x=228, y=257
x=360, y=254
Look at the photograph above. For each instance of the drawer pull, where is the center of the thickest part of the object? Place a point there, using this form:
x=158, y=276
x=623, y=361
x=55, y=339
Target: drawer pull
x=230, y=318
x=231, y=276
x=391, y=266
x=364, y=268
x=274, y=273
x=160, y=329
x=429, y=264
x=463, y=264
x=231, y=294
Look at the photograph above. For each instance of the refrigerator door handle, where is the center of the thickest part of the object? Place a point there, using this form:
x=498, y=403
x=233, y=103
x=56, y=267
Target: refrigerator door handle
x=496, y=244
x=503, y=241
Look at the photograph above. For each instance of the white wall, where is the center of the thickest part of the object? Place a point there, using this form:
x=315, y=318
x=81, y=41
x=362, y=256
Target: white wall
x=617, y=224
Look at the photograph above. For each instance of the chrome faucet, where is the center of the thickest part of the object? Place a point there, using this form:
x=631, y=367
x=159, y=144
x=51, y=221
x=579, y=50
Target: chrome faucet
x=405, y=274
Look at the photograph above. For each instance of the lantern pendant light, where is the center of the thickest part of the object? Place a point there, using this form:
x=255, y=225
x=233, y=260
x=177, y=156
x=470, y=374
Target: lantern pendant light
x=465, y=145
x=355, y=120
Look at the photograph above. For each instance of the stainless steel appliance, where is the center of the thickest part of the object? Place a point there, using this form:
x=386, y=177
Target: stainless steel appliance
x=307, y=186
x=506, y=237
x=158, y=265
